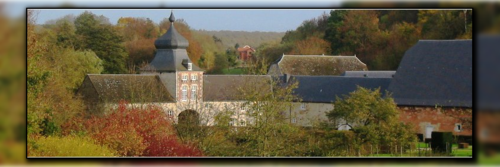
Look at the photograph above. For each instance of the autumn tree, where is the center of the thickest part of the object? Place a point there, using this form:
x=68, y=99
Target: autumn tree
x=311, y=46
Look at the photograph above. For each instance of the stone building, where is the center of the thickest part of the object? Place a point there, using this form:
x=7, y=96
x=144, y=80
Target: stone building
x=434, y=76
x=316, y=65
x=246, y=52
x=433, y=86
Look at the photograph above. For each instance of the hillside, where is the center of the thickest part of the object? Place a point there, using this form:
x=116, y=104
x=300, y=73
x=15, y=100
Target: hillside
x=254, y=39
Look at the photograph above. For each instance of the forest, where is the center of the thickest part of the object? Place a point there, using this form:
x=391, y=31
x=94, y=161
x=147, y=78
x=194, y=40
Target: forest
x=61, y=52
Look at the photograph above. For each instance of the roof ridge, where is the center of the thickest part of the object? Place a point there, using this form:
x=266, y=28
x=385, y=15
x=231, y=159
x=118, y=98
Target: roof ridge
x=445, y=40
x=122, y=74
x=238, y=75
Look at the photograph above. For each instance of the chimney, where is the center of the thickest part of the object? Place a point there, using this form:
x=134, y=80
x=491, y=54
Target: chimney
x=187, y=63
x=286, y=77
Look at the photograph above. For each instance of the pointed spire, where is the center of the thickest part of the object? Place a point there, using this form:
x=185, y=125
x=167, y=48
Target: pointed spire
x=171, y=39
x=172, y=17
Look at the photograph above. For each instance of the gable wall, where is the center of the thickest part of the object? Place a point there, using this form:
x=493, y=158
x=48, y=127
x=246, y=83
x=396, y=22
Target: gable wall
x=421, y=117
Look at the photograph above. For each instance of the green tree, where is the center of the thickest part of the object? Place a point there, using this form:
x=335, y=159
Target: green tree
x=104, y=40
x=265, y=130
x=374, y=119
x=221, y=63
x=332, y=33
x=66, y=36
x=442, y=24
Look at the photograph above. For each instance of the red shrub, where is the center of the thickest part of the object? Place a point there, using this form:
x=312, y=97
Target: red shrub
x=136, y=132
x=163, y=145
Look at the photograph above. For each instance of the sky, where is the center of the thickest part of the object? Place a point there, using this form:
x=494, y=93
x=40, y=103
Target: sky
x=275, y=20
x=279, y=20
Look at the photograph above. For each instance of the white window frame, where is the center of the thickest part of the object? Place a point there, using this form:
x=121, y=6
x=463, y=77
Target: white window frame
x=194, y=77
x=303, y=106
x=194, y=92
x=294, y=120
x=428, y=131
x=458, y=127
x=184, y=77
x=184, y=92
x=190, y=66
x=170, y=113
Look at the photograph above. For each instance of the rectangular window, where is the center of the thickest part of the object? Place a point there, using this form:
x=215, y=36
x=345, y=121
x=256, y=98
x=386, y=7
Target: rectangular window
x=243, y=107
x=194, y=88
x=294, y=120
x=243, y=123
x=190, y=66
x=184, y=77
x=194, y=77
x=232, y=122
x=184, y=92
x=458, y=127
x=170, y=113
x=303, y=106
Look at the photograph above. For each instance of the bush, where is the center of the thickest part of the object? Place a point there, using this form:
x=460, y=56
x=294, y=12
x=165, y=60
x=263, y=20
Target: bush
x=163, y=145
x=66, y=146
x=441, y=142
x=463, y=139
x=134, y=132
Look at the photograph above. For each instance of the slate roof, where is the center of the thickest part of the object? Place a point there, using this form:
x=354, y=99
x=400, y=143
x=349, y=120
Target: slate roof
x=130, y=87
x=316, y=65
x=230, y=87
x=435, y=73
x=324, y=89
x=488, y=72
x=369, y=74
x=170, y=52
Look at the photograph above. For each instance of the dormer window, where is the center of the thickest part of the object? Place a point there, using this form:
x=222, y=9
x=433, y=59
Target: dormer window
x=190, y=66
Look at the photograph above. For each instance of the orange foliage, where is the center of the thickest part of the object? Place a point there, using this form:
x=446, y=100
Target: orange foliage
x=140, y=51
x=311, y=46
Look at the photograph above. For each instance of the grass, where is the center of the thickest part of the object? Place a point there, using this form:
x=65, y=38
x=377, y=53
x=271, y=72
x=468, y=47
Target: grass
x=424, y=153
x=422, y=145
x=234, y=71
x=484, y=160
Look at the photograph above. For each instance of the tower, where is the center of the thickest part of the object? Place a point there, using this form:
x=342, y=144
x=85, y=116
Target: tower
x=176, y=70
